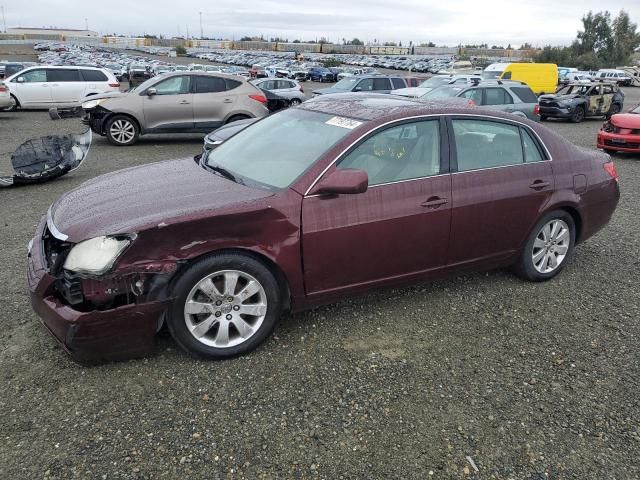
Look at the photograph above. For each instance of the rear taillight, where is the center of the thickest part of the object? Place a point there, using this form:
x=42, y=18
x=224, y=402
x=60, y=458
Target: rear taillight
x=114, y=85
x=610, y=168
x=258, y=98
x=301, y=89
x=536, y=109
x=3, y=87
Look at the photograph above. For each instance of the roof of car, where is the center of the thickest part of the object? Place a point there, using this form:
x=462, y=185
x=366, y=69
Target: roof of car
x=372, y=106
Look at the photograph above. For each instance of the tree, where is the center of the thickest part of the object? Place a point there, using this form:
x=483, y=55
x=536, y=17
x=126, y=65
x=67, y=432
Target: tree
x=246, y=39
x=355, y=41
x=180, y=50
x=330, y=62
x=625, y=37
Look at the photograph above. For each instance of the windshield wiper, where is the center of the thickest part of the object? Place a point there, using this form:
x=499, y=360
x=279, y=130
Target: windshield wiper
x=224, y=172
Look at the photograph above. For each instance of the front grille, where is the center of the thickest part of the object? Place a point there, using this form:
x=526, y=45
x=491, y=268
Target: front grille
x=609, y=143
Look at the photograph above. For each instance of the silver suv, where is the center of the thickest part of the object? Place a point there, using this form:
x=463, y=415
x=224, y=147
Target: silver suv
x=506, y=96
x=179, y=102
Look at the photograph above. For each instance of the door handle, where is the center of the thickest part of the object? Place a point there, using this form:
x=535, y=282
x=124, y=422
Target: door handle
x=434, y=202
x=228, y=100
x=539, y=185
x=184, y=102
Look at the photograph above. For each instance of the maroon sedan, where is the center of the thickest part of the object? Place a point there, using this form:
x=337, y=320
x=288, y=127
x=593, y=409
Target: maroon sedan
x=316, y=203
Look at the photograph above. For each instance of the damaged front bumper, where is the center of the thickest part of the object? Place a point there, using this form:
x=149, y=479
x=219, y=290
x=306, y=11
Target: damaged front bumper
x=95, y=320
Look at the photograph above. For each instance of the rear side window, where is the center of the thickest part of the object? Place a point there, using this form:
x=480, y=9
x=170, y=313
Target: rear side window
x=231, y=84
x=398, y=83
x=381, y=84
x=63, y=75
x=486, y=144
x=530, y=148
x=497, y=96
x=525, y=94
x=93, y=76
x=210, y=85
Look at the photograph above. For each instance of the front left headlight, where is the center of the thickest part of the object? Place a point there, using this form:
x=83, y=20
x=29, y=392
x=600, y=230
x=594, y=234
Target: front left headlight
x=96, y=255
x=92, y=103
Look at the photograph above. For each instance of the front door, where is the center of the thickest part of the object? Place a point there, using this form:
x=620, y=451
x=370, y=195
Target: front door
x=502, y=182
x=33, y=90
x=398, y=227
x=171, y=108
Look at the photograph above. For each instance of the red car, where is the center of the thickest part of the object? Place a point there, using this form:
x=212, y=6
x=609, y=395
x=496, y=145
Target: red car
x=621, y=133
x=333, y=198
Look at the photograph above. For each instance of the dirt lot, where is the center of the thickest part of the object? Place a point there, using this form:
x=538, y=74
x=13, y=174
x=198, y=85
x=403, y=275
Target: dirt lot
x=531, y=381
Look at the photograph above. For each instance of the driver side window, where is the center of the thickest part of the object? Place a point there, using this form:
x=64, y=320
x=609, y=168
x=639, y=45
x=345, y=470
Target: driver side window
x=407, y=151
x=173, y=86
x=34, y=76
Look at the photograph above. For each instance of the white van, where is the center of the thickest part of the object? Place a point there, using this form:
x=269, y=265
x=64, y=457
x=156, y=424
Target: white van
x=493, y=71
x=48, y=86
x=612, y=75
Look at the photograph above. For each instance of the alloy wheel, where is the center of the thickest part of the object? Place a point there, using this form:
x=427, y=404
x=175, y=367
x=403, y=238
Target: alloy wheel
x=225, y=308
x=551, y=246
x=122, y=131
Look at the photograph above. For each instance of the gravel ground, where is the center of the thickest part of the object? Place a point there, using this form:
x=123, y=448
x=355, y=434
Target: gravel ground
x=530, y=381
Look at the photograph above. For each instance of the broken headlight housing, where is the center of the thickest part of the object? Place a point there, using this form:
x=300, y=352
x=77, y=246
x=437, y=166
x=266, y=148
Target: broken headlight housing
x=92, y=103
x=96, y=255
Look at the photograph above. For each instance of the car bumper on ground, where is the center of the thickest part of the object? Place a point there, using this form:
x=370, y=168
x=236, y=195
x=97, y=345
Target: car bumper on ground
x=618, y=142
x=90, y=335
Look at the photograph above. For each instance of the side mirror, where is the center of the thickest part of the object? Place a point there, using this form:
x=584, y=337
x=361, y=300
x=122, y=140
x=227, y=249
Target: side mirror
x=151, y=92
x=346, y=181
x=20, y=79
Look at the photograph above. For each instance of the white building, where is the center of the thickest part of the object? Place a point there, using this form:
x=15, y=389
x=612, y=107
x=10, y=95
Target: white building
x=62, y=32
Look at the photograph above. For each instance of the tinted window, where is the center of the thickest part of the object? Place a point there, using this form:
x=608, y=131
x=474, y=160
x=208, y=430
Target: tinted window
x=231, y=84
x=486, y=144
x=93, y=76
x=497, y=96
x=398, y=83
x=210, y=85
x=506, y=75
x=530, y=147
x=55, y=75
x=525, y=94
x=173, y=86
x=411, y=150
x=365, y=85
x=381, y=84
x=34, y=76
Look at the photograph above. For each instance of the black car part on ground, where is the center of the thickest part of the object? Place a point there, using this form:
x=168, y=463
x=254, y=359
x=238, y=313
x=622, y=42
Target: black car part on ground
x=42, y=159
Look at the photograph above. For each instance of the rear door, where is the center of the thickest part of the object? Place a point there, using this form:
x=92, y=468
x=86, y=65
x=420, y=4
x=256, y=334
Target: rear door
x=95, y=81
x=213, y=101
x=498, y=98
x=502, y=181
x=66, y=85
x=171, y=108
x=34, y=90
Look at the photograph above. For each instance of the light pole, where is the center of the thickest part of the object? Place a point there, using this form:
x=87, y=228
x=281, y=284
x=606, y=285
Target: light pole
x=4, y=22
x=201, y=34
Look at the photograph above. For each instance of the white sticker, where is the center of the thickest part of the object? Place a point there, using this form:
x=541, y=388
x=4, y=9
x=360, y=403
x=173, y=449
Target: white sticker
x=343, y=122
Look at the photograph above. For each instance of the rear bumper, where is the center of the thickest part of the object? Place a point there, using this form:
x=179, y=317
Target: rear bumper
x=90, y=336
x=618, y=142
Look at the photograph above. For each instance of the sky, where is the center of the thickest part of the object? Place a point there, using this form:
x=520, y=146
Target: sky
x=500, y=22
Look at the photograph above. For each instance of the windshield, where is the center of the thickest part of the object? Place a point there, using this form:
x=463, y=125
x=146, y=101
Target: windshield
x=442, y=92
x=345, y=84
x=277, y=150
x=435, y=82
x=574, y=90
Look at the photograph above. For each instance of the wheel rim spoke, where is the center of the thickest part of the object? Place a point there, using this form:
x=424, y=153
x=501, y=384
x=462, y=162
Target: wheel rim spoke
x=249, y=290
x=230, y=283
x=253, y=309
x=244, y=329
x=202, y=328
x=197, y=308
x=222, y=337
x=209, y=289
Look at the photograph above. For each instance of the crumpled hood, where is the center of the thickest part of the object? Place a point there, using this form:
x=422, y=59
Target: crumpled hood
x=559, y=98
x=138, y=198
x=626, y=120
x=99, y=96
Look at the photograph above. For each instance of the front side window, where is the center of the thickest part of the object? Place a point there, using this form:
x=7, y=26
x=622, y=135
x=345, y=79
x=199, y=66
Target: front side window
x=474, y=94
x=210, y=85
x=34, y=76
x=294, y=139
x=365, y=85
x=410, y=150
x=486, y=144
x=173, y=86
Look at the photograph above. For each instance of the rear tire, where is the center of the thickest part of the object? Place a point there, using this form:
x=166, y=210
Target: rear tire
x=14, y=107
x=122, y=131
x=294, y=102
x=225, y=305
x=578, y=115
x=549, y=247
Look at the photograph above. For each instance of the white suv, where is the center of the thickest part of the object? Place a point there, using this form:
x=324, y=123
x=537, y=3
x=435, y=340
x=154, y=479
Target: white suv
x=48, y=86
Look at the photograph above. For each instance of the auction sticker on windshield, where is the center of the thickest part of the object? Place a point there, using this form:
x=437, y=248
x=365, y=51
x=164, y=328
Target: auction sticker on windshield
x=343, y=122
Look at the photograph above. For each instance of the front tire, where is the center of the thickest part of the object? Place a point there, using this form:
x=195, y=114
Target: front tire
x=122, y=131
x=578, y=115
x=225, y=305
x=549, y=247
